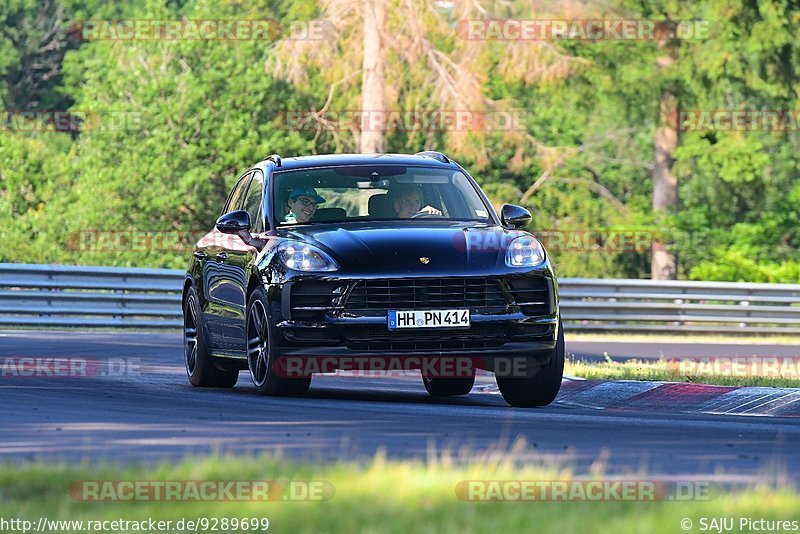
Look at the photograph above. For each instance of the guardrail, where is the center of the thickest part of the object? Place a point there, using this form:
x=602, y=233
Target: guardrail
x=667, y=306
x=69, y=296
x=59, y=295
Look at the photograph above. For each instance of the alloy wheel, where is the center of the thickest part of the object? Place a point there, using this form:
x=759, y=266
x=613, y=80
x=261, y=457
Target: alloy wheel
x=258, y=343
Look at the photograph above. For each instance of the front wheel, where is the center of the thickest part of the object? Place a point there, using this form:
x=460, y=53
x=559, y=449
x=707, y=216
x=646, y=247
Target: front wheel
x=540, y=389
x=260, y=356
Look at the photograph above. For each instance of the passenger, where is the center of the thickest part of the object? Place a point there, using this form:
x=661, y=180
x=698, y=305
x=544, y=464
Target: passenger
x=302, y=203
x=407, y=201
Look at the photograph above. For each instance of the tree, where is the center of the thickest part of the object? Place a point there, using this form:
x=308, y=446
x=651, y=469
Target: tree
x=597, y=151
x=665, y=183
x=432, y=71
x=195, y=114
x=373, y=99
x=35, y=40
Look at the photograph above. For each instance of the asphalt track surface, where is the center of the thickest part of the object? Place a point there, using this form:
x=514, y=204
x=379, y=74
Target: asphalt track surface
x=150, y=413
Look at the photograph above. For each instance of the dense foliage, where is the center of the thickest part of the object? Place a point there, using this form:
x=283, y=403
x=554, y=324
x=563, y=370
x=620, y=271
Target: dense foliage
x=190, y=114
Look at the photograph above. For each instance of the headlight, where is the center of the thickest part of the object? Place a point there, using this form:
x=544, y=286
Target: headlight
x=303, y=257
x=525, y=251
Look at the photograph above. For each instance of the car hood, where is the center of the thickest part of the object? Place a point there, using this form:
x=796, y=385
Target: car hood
x=411, y=248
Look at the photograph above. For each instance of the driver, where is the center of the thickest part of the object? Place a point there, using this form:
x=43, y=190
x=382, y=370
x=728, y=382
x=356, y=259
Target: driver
x=407, y=201
x=302, y=203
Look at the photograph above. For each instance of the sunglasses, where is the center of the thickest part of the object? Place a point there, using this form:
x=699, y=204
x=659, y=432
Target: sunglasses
x=307, y=202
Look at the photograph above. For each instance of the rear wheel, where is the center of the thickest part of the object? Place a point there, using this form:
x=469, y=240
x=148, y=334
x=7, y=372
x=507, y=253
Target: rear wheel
x=201, y=368
x=541, y=388
x=448, y=387
x=260, y=358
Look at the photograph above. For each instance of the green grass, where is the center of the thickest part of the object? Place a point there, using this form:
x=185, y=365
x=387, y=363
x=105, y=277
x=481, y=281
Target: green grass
x=684, y=337
x=701, y=371
x=377, y=496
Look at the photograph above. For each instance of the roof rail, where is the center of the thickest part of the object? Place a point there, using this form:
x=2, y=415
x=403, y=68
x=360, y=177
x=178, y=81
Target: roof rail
x=438, y=156
x=274, y=158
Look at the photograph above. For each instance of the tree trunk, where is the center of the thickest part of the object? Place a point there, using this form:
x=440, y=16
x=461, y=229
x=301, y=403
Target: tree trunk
x=665, y=184
x=373, y=99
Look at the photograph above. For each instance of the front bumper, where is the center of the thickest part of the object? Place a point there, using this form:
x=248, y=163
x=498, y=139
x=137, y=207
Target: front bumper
x=493, y=338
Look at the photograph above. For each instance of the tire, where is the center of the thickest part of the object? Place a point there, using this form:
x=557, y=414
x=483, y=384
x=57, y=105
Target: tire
x=201, y=368
x=540, y=389
x=260, y=360
x=448, y=387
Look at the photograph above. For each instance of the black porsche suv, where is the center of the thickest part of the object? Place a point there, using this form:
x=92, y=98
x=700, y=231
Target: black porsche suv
x=364, y=262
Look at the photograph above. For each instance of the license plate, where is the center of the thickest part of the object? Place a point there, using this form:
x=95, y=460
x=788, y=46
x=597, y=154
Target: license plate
x=428, y=319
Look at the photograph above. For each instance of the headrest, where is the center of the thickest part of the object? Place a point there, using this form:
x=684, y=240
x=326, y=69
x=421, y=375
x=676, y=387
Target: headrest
x=380, y=206
x=329, y=214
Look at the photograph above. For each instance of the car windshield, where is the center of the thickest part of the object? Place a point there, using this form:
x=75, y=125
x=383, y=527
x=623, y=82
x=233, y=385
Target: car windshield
x=375, y=192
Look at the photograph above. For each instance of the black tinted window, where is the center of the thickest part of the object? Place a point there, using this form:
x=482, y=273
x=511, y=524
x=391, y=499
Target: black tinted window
x=235, y=200
x=252, y=202
x=376, y=192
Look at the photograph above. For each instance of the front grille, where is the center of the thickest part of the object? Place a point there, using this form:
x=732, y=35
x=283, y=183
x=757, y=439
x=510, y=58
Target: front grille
x=311, y=300
x=375, y=297
x=375, y=338
x=531, y=294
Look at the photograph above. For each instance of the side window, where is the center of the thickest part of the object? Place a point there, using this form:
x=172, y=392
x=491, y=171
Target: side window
x=253, y=202
x=235, y=199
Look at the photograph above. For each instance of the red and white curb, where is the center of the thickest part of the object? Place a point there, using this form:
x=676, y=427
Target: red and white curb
x=675, y=397
x=639, y=396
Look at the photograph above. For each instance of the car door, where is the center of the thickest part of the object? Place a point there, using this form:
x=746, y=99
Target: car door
x=234, y=262
x=219, y=286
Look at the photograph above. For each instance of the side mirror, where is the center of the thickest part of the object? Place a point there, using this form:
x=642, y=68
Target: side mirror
x=238, y=223
x=513, y=216
x=234, y=222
